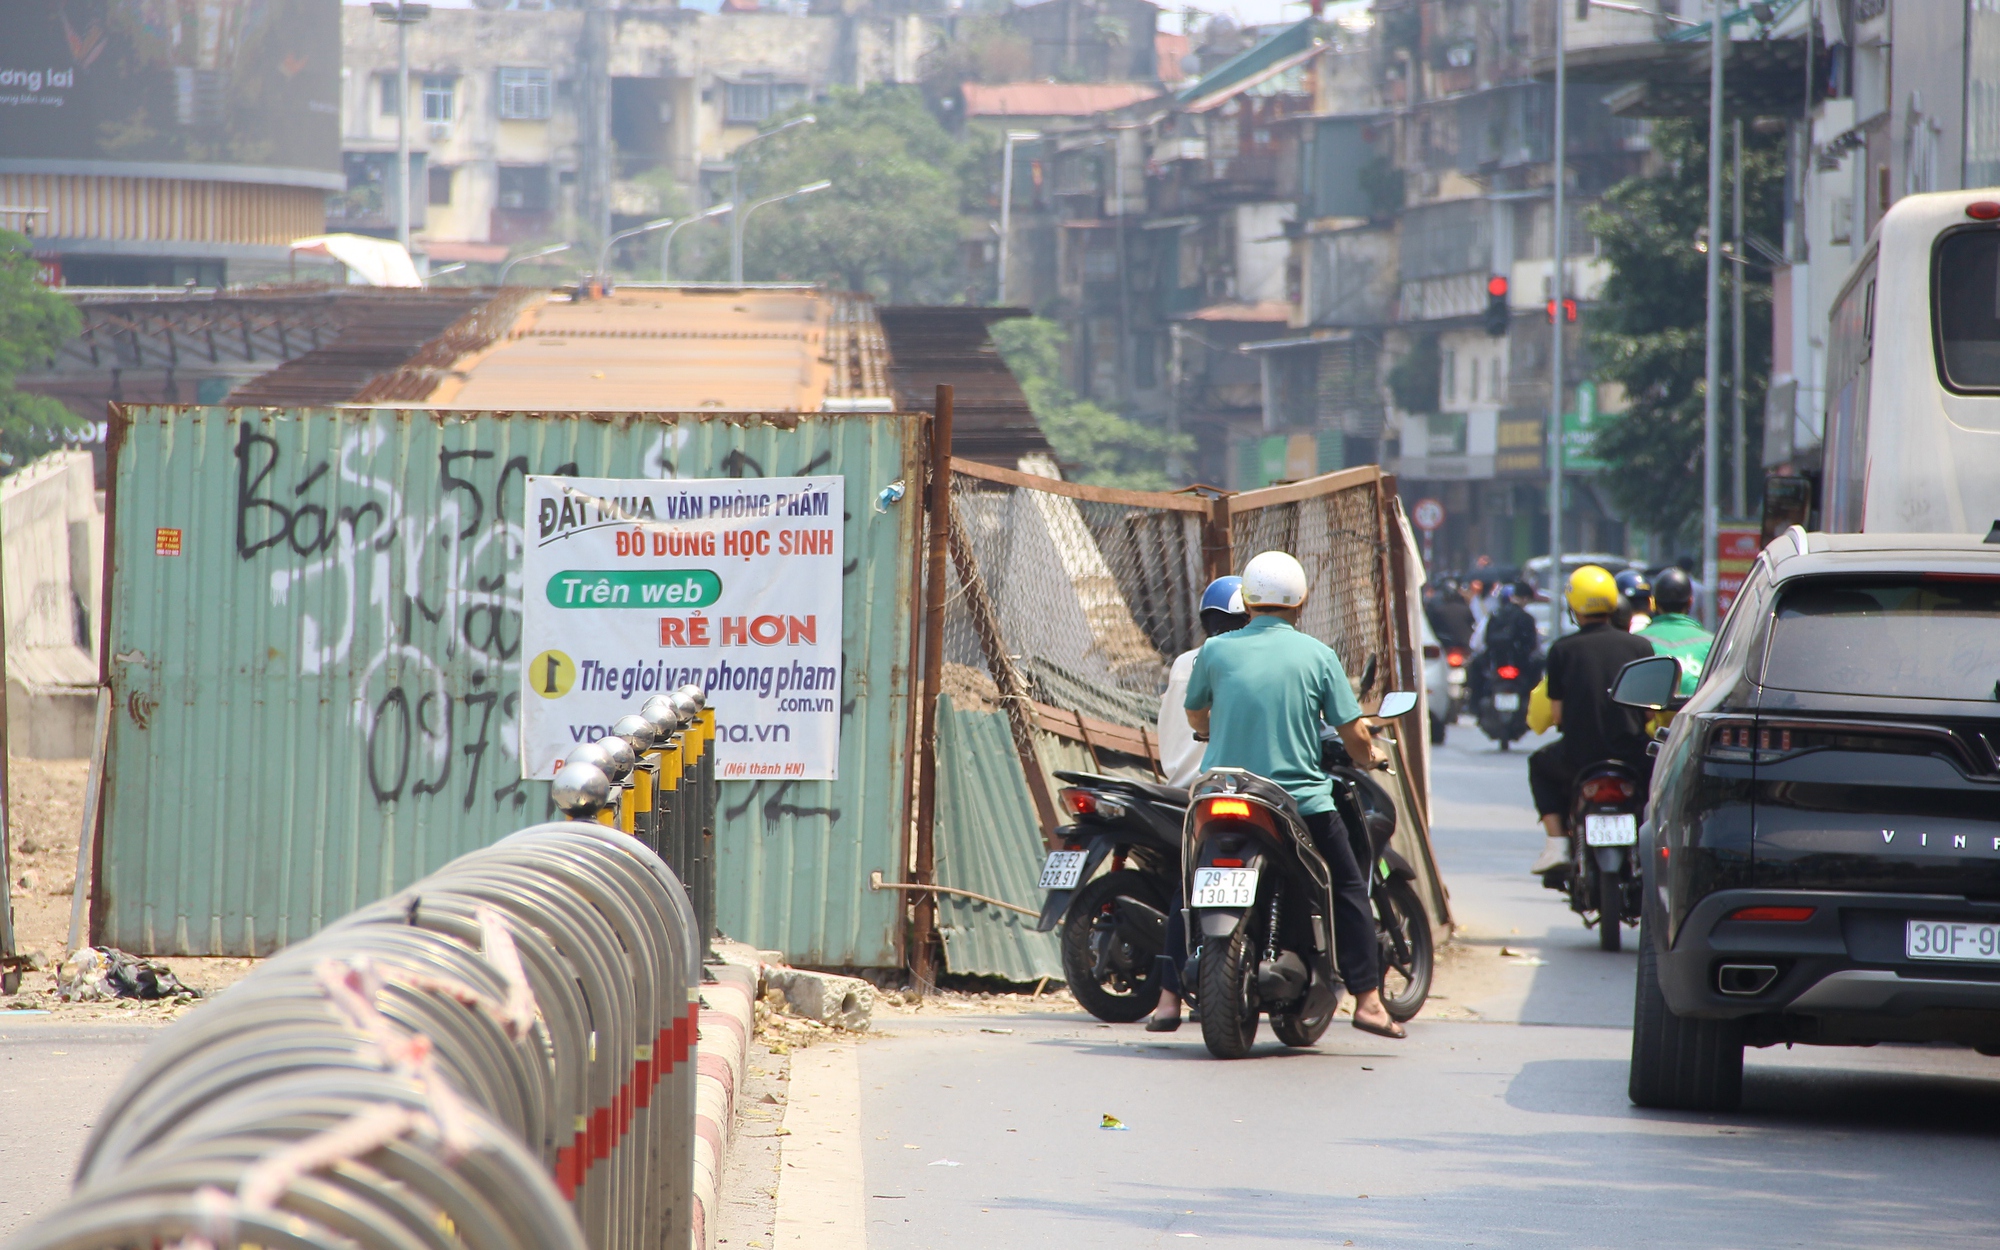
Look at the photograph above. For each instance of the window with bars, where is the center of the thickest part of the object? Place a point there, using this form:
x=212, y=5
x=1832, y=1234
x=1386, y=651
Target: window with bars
x=440, y=97
x=524, y=95
x=752, y=102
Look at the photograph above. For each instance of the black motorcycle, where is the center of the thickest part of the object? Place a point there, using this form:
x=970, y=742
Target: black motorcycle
x=1402, y=926
x=1606, y=806
x=1501, y=704
x=1114, y=923
x=1260, y=907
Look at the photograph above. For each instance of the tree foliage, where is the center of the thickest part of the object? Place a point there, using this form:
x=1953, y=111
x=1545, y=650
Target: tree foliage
x=1646, y=331
x=34, y=322
x=1102, y=447
x=903, y=190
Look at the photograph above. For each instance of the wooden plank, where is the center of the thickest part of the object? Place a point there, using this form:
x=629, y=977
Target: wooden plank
x=1292, y=492
x=1077, y=490
x=1097, y=734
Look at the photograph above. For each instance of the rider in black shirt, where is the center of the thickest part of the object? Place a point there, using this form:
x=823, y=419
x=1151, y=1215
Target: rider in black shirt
x=1581, y=669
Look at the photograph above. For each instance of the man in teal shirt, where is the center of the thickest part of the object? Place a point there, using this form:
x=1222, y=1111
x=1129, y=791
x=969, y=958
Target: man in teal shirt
x=1673, y=632
x=1261, y=695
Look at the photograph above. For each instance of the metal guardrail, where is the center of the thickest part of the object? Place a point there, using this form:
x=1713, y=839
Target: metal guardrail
x=498, y=1056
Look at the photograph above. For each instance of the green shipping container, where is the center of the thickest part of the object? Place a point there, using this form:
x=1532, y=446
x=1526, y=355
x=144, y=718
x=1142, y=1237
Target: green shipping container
x=314, y=637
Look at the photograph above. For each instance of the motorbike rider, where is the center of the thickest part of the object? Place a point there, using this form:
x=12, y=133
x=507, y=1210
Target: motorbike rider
x=1221, y=612
x=1511, y=638
x=1260, y=695
x=1451, y=616
x=1673, y=632
x=1635, y=598
x=1581, y=668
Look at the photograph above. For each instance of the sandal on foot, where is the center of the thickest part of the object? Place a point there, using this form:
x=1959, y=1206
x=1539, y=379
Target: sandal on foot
x=1163, y=1024
x=1391, y=1030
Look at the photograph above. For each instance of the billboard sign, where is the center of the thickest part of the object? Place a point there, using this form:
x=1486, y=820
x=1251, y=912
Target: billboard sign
x=632, y=588
x=252, y=83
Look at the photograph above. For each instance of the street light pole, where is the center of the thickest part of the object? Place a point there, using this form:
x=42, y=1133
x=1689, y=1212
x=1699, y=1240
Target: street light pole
x=604, y=253
x=547, y=251
x=1739, y=472
x=402, y=15
x=736, y=193
x=1558, y=244
x=1712, y=331
x=667, y=241
x=1007, y=198
x=742, y=220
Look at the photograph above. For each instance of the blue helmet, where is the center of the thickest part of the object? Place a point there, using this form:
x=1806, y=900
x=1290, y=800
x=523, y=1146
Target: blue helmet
x=1224, y=594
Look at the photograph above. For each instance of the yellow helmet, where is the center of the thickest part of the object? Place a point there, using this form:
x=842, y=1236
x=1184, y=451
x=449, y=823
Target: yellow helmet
x=1592, y=591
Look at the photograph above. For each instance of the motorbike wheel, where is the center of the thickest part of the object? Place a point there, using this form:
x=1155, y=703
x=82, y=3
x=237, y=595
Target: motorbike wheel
x=1132, y=988
x=1610, y=903
x=1403, y=929
x=1228, y=989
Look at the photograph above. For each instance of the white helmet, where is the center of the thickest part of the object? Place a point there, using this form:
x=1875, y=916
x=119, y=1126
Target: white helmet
x=1273, y=579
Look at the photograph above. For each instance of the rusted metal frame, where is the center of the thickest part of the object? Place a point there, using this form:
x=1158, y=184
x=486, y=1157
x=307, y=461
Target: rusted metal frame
x=1416, y=760
x=875, y=882
x=1077, y=490
x=118, y=423
x=1218, y=542
x=1098, y=734
x=1311, y=487
x=916, y=459
x=1015, y=697
x=923, y=968
x=1388, y=631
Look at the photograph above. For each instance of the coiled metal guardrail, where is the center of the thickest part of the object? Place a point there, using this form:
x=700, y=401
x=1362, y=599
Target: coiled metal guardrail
x=497, y=1057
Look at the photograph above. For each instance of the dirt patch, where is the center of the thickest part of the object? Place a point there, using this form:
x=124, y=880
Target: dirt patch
x=42, y=828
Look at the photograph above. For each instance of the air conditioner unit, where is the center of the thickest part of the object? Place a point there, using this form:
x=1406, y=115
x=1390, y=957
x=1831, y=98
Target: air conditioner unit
x=440, y=130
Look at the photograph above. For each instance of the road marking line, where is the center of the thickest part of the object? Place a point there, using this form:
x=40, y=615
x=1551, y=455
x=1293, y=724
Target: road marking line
x=820, y=1194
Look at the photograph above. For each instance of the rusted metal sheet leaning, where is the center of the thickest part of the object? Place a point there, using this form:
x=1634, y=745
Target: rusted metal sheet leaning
x=497, y=1056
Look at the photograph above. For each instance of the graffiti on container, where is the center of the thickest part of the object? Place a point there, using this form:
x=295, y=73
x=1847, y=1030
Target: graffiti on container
x=421, y=606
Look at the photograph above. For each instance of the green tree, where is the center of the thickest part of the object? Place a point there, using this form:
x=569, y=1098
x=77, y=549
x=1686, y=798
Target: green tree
x=902, y=191
x=1104, y=448
x=34, y=322
x=1646, y=332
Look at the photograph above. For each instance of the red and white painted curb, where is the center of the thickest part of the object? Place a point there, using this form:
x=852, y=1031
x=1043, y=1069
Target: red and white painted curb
x=721, y=1050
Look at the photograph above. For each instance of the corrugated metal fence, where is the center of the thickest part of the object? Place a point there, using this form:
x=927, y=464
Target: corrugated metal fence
x=314, y=627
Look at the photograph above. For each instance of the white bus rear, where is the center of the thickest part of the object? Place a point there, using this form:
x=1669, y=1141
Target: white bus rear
x=1912, y=431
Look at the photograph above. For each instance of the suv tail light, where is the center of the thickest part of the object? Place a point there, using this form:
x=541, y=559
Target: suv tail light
x=1788, y=915
x=1607, y=790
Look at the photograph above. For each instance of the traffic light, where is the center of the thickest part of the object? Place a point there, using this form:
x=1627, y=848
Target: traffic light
x=1496, y=305
x=1569, y=310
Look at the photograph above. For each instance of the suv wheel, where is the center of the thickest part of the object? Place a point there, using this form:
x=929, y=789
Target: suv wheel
x=1680, y=1064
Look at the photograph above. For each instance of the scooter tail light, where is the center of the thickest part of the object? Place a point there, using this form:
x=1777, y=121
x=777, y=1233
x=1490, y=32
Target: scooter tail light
x=1507, y=672
x=1607, y=790
x=1230, y=861
x=1455, y=658
x=1239, y=808
x=1079, y=802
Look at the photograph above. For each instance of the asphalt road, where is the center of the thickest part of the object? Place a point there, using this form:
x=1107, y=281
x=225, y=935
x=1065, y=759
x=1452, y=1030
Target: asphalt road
x=55, y=1076
x=1506, y=1127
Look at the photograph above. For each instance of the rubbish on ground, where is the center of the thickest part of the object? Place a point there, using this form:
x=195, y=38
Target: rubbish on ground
x=996, y=1030
x=943, y=1163
x=1113, y=1123
x=99, y=973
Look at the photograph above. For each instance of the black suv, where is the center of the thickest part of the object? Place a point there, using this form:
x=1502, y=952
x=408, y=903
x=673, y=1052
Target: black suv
x=1823, y=862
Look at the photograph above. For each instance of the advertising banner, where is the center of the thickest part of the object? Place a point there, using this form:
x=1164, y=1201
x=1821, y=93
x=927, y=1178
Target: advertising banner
x=225, y=82
x=634, y=587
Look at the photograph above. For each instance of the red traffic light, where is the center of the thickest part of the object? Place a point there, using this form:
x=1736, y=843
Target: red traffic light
x=1569, y=310
x=1496, y=286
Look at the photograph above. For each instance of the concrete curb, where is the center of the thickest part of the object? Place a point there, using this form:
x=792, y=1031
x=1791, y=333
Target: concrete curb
x=722, y=1047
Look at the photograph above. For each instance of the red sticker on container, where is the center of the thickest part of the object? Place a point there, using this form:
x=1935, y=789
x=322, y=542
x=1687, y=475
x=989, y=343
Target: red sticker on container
x=166, y=542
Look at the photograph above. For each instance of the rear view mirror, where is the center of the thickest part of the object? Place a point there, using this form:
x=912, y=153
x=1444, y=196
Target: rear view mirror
x=1652, y=684
x=1397, y=703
